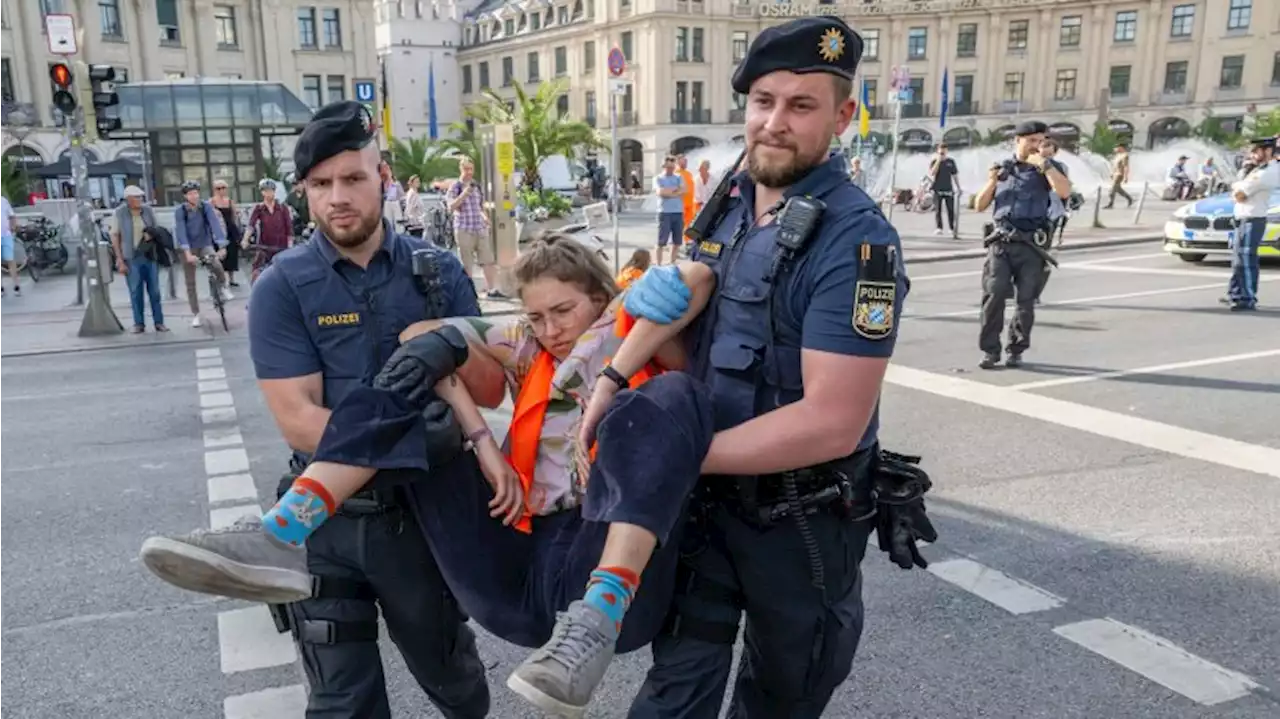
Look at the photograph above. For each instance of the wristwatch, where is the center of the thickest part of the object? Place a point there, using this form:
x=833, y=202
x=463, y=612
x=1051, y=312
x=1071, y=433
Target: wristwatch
x=615, y=376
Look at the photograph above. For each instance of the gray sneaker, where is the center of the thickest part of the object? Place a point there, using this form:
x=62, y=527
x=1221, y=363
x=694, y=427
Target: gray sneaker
x=561, y=676
x=240, y=561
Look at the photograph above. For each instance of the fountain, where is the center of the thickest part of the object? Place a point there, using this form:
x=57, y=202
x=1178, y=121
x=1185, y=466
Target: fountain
x=1087, y=170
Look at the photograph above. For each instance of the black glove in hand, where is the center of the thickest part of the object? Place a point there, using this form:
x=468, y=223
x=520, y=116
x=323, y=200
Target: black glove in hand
x=898, y=526
x=417, y=365
x=444, y=434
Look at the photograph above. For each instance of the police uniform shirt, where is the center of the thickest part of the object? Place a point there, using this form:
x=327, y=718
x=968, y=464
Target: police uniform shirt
x=1025, y=183
x=831, y=299
x=280, y=332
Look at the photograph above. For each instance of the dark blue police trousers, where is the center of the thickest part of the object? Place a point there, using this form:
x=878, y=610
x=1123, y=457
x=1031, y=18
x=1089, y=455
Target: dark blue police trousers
x=651, y=444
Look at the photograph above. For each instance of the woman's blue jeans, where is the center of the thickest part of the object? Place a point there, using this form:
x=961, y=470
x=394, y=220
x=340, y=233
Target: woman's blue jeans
x=144, y=274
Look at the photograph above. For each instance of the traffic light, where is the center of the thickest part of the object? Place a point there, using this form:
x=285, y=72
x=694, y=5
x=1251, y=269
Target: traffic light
x=63, y=78
x=102, y=79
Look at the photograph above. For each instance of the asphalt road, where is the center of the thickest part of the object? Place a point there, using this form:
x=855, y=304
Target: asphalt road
x=1108, y=544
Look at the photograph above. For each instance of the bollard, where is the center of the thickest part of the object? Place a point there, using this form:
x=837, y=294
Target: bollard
x=79, y=274
x=1141, y=199
x=173, y=285
x=1097, y=211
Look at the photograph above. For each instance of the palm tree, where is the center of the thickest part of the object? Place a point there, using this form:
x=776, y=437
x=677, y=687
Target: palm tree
x=541, y=131
x=422, y=157
x=15, y=182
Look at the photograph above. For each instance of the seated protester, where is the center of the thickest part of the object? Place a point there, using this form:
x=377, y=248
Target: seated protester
x=639, y=262
x=600, y=525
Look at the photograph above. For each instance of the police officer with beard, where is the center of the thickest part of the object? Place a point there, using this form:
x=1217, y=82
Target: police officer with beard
x=1017, y=241
x=324, y=318
x=793, y=348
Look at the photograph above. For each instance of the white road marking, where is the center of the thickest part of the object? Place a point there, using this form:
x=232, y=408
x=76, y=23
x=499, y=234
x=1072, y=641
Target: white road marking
x=1159, y=660
x=222, y=437
x=1011, y=595
x=213, y=385
x=273, y=703
x=216, y=399
x=226, y=461
x=1113, y=425
x=1141, y=270
x=944, y=276
x=1101, y=298
x=249, y=640
x=218, y=415
x=210, y=352
x=231, y=488
x=208, y=362
x=1153, y=369
x=227, y=516
x=1083, y=264
x=207, y=373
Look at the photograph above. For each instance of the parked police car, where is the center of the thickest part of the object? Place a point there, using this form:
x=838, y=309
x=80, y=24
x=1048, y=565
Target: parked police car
x=1206, y=227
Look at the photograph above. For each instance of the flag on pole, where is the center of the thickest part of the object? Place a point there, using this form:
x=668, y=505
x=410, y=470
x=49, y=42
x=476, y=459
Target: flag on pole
x=942, y=116
x=864, y=112
x=433, y=128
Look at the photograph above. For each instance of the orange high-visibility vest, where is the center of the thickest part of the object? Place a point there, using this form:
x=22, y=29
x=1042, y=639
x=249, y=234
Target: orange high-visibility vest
x=525, y=432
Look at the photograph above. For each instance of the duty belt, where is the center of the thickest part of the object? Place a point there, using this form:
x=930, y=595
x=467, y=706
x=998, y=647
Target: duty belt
x=842, y=486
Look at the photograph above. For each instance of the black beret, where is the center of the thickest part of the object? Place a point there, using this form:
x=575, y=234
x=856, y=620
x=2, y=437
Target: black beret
x=1030, y=127
x=811, y=44
x=335, y=128
x=1263, y=142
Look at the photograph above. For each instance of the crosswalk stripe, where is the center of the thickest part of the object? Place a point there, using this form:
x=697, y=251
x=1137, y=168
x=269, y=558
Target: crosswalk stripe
x=222, y=437
x=226, y=461
x=209, y=352
x=213, y=385
x=208, y=373
x=248, y=640
x=231, y=487
x=226, y=516
x=1012, y=595
x=218, y=415
x=273, y=703
x=216, y=399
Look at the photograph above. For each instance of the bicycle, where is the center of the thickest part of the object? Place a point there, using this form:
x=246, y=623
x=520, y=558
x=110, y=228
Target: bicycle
x=262, y=256
x=215, y=287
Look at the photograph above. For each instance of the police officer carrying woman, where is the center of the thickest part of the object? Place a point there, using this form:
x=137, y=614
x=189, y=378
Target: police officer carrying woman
x=792, y=348
x=323, y=320
x=1017, y=241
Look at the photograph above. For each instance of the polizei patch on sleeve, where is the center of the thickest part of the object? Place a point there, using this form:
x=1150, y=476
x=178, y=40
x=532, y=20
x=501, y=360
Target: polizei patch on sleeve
x=873, y=308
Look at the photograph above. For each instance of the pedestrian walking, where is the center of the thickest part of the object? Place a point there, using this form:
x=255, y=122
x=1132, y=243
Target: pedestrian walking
x=139, y=258
x=9, y=234
x=226, y=207
x=465, y=202
x=945, y=182
x=1119, y=175
x=198, y=233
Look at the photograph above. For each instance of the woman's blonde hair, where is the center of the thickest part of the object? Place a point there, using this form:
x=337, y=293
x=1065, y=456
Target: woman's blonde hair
x=640, y=260
x=560, y=256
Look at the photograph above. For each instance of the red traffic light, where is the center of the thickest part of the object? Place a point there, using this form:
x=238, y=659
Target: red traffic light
x=61, y=75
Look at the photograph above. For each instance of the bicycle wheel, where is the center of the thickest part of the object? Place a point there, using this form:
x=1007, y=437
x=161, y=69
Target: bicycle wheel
x=215, y=293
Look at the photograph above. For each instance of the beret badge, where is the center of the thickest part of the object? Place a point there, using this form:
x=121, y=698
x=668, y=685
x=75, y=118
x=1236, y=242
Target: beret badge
x=831, y=46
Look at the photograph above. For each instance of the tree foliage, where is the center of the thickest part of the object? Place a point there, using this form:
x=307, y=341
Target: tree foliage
x=429, y=160
x=1103, y=140
x=1212, y=131
x=541, y=130
x=1264, y=124
x=16, y=186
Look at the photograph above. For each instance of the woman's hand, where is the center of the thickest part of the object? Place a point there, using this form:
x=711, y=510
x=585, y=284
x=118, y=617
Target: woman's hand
x=601, y=396
x=508, y=494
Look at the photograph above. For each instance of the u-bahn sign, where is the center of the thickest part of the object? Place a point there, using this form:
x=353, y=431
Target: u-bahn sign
x=366, y=91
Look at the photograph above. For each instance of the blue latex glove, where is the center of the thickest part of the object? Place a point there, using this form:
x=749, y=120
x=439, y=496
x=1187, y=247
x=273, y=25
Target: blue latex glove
x=658, y=296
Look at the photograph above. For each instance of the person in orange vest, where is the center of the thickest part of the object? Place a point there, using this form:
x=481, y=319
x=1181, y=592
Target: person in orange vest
x=544, y=542
x=686, y=179
x=639, y=262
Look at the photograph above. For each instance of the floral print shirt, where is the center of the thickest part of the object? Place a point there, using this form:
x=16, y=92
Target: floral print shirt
x=560, y=475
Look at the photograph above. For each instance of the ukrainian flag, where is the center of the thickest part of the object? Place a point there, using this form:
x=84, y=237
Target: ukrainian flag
x=864, y=113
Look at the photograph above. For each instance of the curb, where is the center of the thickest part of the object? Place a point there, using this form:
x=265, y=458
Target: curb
x=104, y=348
x=1085, y=245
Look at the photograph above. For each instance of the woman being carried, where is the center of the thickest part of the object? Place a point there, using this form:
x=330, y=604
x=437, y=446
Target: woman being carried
x=603, y=525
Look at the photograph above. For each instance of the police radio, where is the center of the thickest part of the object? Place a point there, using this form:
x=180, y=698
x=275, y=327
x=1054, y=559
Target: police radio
x=426, y=276
x=709, y=216
x=796, y=223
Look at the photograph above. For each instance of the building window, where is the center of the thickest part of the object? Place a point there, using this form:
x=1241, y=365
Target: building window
x=1064, y=88
x=167, y=17
x=332, y=22
x=682, y=100
x=109, y=16
x=174, y=74
x=1126, y=26
x=589, y=56
x=1013, y=87
x=122, y=75
x=224, y=17
x=917, y=43
x=562, y=105
x=739, y=45
x=532, y=62
x=625, y=46
x=1275, y=70
x=591, y=107
x=698, y=44
x=1184, y=19
x=629, y=100
x=466, y=79
x=1119, y=83
x=535, y=21
x=682, y=44
x=1069, y=31
x=50, y=7
x=311, y=91
x=963, y=94
x=508, y=71
x=1232, y=72
x=871, y=45
x=336, y=88
x=1175, y=77
x=739, y=101
x=696, y=100
x=6, y=82
x=1239, y=14
x=562, y=15
x=1018, y=35
x=508, y=27
x=307, y=28
x=484, y=75
x=967, y=40
x=562, y=61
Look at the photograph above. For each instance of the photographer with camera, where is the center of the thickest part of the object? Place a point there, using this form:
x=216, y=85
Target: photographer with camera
x=1017, y=240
